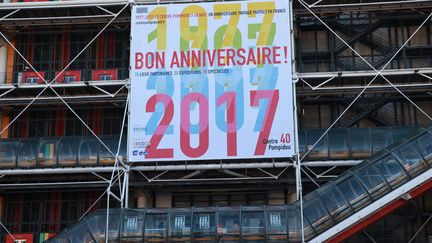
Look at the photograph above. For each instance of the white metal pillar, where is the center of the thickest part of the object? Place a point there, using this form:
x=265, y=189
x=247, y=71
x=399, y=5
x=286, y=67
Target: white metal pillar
x=3, y=62
x=299, y=190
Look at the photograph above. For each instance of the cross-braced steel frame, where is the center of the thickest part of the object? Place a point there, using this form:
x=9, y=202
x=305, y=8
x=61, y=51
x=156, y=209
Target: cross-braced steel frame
x=121, y=169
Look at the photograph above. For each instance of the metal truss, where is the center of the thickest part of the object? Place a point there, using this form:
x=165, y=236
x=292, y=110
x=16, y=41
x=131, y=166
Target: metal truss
x=378, y=73
x=116, y=172
x=224, y=175
x=96, y=92
x=12, y=10
x=329, y=6
x=120, y=172
x=15, y=15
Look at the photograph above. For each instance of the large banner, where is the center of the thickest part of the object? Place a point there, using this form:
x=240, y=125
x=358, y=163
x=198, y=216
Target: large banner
x=211, y=81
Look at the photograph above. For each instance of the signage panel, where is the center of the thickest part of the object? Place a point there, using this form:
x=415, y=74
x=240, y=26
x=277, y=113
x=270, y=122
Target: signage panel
x=211, y=81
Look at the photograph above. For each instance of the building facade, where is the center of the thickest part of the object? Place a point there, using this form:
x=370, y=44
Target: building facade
x=55, y=154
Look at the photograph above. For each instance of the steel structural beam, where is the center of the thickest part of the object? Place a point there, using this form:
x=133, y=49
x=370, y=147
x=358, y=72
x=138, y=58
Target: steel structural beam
x=76, y=170
x=408, y=4
x=62, y=4
x=94, y=19
x=366, y=7
x=216, y=166
x=368, y=73
x=71, y=99
x=66, y=85
x=263, y=165
x=177, y=167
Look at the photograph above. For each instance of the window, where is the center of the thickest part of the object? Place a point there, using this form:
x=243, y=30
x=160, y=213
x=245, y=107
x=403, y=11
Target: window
x=31, y=80
x=204, y=224
x=180, y=226
x=253, y=225
x=228, y=227
x=156, y=227
x=68, y=79
x=51, y=50
x=105, y=77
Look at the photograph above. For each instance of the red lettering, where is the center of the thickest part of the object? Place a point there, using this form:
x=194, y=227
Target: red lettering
x=230, y=57
x=258, y=54
x=160, y=59
x=211, y=57
x=266, y=54
x=221, y=57
x=185, y=119
x=185, y=59
x=196, y=58
x=240, y=55
x=276, y=55
x=149, y=60
x=174, y=60
x=251, y=57
x=139, y=60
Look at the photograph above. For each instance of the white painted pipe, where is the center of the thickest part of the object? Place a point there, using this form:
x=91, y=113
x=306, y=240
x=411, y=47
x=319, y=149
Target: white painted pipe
x=55, y=171
x=3, y=63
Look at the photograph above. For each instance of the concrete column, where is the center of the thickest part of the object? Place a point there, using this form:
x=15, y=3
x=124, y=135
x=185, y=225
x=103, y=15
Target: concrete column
x=163, y=199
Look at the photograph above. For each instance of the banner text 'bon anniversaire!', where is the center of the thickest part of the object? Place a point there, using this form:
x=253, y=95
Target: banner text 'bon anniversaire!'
x=211, y=81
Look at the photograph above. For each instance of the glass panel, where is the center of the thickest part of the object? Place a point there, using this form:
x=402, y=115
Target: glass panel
x=27, y=154
x=336, y=204
x=68, y=79
x=47, y=153
x=359, y=140
x=68, y=152
x=80, y=233
x=180, y=227
x=317, y=215
x=354, y=193
x=88, y=152
x=204, y=227
x=424, y=145
x=229, y=226
x=392, y=171
x=132, y=227
x=402, y=132
x=372, y=180
x=113, y=226
x=8, y=153
x=411, y=160
x=60, y=238
x=338, y=144
x=294, y=226
x=105, y=77
x=302, y=142
x=381, y=138
x=97, y=226
x=105, y=157
x=155, y=228
x=320, y=151
x=253, y=226
x=276, y=226
x=123, y=148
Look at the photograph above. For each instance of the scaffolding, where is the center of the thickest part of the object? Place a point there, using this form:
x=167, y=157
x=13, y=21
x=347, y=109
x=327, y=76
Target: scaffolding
x=114, y=12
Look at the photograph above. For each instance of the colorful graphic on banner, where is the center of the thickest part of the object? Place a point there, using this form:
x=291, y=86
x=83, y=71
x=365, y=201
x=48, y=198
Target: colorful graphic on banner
x=211, y=81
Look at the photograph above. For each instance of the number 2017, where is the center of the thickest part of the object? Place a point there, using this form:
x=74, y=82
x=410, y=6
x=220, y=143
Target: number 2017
x=227, y=98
